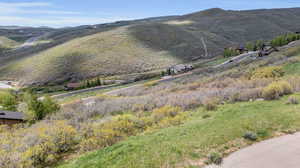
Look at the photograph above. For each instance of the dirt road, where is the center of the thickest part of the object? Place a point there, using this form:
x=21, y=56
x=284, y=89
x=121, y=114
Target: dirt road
x=282, y=152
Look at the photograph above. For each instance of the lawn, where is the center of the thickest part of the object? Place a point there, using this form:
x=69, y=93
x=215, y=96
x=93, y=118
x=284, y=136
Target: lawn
x=188, y=144
x=292, y=69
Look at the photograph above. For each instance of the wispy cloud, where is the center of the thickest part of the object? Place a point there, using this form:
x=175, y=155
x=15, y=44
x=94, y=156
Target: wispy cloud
x=46, y=14
x=25, y=4
x=29, y=8
x=59, y=21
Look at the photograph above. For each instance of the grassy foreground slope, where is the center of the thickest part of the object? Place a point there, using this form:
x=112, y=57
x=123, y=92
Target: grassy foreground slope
x=187, y=145
x=113, y=52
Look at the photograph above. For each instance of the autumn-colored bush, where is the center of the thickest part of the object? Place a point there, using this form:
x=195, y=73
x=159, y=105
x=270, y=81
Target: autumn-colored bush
x=105, y=134
x=36, y=146
x=276, y=89
x=267, y=72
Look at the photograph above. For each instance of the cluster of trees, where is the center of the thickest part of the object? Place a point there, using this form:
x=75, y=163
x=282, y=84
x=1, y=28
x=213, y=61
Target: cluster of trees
x=93, y=83
x=259, y=44
x=254, y=46
x=28, y=103
x=284, y=39
x=230, y=52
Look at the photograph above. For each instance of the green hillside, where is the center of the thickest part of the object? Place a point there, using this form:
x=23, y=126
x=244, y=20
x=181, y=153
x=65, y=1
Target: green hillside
x=114, y=52
x=137, y=46
x=7, y=43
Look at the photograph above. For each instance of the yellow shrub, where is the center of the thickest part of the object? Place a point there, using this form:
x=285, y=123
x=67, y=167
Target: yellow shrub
x=37, y=145
x=276, y=89
x=123, y=126
x=267, y=72
x=163, y=112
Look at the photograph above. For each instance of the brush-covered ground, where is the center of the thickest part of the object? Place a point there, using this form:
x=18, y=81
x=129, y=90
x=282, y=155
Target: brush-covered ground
x=203, y=133
x=138, y=46
x=178, y=123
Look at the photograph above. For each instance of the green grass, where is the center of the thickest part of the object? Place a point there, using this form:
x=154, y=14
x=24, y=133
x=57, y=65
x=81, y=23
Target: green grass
x=292, y=68
x=196, y=138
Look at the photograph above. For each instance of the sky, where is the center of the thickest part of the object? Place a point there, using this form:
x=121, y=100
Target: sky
x=63, y=13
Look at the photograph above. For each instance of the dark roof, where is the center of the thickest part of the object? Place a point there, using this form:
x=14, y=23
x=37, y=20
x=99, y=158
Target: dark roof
x=11, y=115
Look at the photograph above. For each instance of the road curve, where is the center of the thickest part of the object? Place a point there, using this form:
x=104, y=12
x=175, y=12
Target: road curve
x=282, y=152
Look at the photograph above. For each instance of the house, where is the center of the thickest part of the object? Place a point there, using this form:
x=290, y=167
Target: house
x=181, y=68
x=73, y=86
x=241, y=49
x=11, y=118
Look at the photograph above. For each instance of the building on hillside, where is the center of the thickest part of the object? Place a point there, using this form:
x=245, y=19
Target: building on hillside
x=11, y=118
x=181, y=68
x=241, y=49
x=73, y=86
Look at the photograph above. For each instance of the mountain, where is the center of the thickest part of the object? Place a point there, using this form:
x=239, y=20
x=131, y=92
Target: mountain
x=137, y=46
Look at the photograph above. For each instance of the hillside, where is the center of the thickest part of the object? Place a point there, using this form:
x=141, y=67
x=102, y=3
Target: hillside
x=191, y=121
x=144, y=45
x=7, y=43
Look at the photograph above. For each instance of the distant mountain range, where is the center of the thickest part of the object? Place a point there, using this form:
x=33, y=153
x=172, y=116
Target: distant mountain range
x=128, y=47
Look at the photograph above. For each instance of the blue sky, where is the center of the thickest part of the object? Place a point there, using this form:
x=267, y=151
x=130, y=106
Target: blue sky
x=61, y=13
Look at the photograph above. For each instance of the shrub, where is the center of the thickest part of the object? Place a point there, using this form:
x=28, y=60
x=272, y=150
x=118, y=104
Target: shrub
x=50, y=106
x=250, y=46
x=286, y=87
x=215, y=158
x=211, y=104
x=8, y=100
x=36, y=146
x=267, y=72
x=250, y=136
x=163, y=112
x=293, y=100
x=229, y=52
x=105, y=134
x=38, y=109
x=276, y=89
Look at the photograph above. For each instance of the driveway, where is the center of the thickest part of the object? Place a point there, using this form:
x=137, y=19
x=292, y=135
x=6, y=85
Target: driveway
x=282, y=152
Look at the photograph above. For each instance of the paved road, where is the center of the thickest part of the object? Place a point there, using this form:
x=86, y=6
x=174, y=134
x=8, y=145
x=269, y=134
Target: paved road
x=4, y=85
x=282, y=152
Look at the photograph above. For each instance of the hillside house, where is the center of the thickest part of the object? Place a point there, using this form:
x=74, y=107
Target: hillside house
x=181, y=68
x=11, y=118
x=73, y=86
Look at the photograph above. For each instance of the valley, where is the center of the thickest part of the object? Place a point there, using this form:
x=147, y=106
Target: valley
x=182, y=91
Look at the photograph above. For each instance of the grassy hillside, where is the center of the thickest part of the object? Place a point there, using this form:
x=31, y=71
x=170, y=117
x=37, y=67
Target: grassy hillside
x=7, y=43
x=189, y=144
x=175, y=123
x=150, y=44
x=112, y=52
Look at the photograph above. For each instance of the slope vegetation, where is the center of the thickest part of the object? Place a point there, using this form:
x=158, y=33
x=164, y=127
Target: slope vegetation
x=109, y=53
x=7, y=43
x=150, y=44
